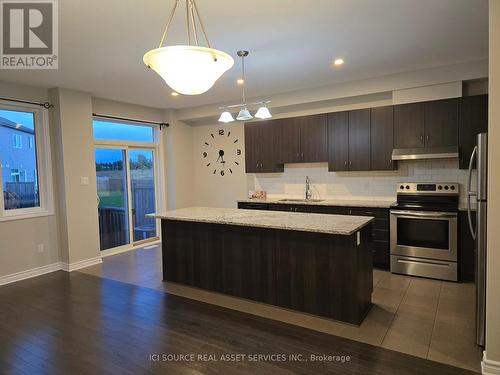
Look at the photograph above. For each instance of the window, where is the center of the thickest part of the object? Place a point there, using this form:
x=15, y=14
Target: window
x=127, y=170
x=24, y=172
x=17, y=175
x=17, y=141
x=115, y=131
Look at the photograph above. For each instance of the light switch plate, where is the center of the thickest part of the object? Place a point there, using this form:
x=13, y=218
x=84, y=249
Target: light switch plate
x=84, y=180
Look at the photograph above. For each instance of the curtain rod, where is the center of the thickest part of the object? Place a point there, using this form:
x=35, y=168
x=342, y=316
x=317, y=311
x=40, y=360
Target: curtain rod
x=160, y=124
x=46, y=105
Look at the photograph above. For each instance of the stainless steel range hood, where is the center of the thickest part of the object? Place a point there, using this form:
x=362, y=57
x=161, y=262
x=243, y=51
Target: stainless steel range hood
x=450, y=152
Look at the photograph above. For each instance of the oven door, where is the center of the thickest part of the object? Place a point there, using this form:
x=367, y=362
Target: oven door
x=421, y=234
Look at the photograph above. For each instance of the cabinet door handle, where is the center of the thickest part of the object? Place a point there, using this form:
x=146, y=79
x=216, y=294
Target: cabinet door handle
x=302, y=155
x=421, y=139
x=427, y=138
x=345, y=163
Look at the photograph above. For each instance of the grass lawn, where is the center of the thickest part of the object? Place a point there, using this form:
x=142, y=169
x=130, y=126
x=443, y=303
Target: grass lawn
x=111, y=199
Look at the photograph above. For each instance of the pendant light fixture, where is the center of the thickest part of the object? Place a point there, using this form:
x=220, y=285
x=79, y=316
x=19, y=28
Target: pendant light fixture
x=244, y=114
x=188, y=69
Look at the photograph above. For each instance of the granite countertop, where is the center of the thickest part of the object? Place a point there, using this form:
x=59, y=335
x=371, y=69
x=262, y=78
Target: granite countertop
x=304, y=222
x=376, y=203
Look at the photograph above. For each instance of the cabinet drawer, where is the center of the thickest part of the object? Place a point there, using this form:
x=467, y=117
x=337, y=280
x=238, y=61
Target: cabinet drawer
x=252, y=206
x=381, y=213
x=381, y=223
x=380, y=234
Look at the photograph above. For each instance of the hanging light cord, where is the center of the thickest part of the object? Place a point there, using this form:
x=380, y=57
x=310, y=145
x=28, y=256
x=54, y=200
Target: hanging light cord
x=192, y=17
x=243, y=78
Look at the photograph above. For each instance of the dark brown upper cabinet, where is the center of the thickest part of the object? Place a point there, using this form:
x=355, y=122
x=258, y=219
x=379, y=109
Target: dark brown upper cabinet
x=409, y=125
x=261, y=147
x=290, y=140
x=473, y=120
x=304, y=139
x=359, y=140
x=349, y=140
x=382, y=138
x=441, y=123
x=427, y=124
x=338, y=141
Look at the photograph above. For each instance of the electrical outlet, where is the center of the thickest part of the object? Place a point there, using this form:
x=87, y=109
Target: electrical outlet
x=84, y=181
x=40, y=248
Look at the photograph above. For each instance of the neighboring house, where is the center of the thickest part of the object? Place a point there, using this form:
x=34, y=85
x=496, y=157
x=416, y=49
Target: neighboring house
x=18, y=161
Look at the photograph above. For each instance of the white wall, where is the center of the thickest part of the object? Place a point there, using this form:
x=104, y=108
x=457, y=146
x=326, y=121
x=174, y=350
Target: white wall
x=74, y=152
x=492, y=353
x=19, y=239
x=71, y=234
x=213, y=189
x=178, y=156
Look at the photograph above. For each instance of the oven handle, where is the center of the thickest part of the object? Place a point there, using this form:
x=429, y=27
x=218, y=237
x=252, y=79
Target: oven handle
x=423, y=214
x=422, y=261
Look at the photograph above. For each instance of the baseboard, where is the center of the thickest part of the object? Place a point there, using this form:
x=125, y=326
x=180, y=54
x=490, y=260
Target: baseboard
x=68, y=267
x=489, y=367
x=18, y=276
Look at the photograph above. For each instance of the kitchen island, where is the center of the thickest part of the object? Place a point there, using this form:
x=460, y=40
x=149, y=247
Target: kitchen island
x=314, y=263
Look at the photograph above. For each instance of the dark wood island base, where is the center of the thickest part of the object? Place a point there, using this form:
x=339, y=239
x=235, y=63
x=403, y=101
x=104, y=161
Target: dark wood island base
x=329, y=275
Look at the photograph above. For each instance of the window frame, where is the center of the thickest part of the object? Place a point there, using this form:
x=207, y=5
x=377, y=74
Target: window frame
x=43, y=166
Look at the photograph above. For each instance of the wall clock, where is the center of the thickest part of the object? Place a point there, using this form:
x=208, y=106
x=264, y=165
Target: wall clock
x=221, y=152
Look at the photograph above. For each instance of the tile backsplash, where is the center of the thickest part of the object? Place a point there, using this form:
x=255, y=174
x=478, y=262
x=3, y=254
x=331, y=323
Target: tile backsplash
x=356, y=185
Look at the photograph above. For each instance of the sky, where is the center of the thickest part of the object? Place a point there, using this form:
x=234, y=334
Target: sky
x=103, y=155
x=122, y=132
x=23, y=118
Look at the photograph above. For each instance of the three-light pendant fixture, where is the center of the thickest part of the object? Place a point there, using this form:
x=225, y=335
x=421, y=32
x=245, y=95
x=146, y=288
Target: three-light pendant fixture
x=244, y=114
x=188, y=69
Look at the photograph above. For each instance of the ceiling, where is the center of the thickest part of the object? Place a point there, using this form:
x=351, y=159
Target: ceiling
x=292, y=44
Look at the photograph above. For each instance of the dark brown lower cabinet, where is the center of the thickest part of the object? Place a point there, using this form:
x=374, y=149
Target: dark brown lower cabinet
x=322, y=274
x=379, y=227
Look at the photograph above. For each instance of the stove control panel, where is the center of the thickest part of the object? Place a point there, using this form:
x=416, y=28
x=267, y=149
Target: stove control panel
x=421, y=188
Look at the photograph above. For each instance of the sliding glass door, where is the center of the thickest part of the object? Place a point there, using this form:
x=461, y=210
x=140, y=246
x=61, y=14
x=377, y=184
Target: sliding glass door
x=112, y=193
x=143, y=193
x=126, y=190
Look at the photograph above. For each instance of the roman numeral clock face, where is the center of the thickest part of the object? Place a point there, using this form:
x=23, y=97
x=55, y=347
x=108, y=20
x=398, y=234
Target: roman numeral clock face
x=221, y=153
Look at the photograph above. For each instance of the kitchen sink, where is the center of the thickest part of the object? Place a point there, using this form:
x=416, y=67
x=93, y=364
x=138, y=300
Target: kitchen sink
x=300, y=200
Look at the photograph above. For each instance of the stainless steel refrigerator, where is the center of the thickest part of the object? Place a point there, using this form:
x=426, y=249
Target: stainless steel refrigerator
x=477, y=205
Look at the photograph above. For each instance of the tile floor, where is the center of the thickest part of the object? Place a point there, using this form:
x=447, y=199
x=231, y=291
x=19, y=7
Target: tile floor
x=425, y=318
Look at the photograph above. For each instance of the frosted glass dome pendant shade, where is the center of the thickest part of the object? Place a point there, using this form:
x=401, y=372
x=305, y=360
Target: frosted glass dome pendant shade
x=188, y=69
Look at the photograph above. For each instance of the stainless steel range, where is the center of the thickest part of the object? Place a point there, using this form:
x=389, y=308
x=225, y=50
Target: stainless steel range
x=423, y=226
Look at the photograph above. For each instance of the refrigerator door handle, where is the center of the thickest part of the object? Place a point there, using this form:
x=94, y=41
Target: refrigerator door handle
x=471, y=193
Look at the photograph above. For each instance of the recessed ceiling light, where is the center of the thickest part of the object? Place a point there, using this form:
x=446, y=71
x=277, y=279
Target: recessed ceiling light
x=338, y=62
x=175, y=93
x=240, y=81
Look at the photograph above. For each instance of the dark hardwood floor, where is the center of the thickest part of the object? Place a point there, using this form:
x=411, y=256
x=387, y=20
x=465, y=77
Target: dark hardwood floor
x=76, y=323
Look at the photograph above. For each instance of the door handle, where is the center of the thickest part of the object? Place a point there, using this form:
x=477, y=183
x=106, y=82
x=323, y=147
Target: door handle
x=413, y=214
x=471, y=193
x=421, y=139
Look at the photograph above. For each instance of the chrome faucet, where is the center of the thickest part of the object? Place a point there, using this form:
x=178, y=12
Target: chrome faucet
x=308, y=188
